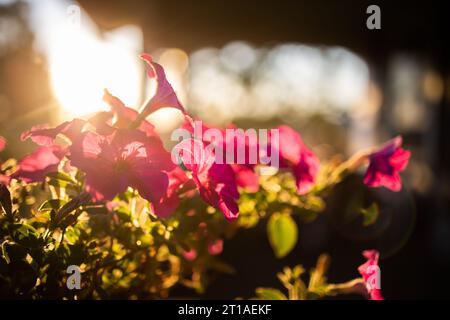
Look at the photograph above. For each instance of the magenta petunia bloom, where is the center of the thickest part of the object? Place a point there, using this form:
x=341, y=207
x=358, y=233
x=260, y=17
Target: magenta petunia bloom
x=215, y=247
x=44, y=136
x=125, y=158
x=246, y=177
x=295, y=155
x=385, y=165
x=164, y=95
x=122, y=116
x=190, y=255
x=36, y=165
x=371, y=274
x=170, y=201
x=215, y=182
x=231, y=145
x=2, y=143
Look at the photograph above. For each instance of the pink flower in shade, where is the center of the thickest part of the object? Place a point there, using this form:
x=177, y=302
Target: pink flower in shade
x=296, y=155
x=164, y=95
x=371, y=274
x=190, y=255
x=215, y=247
x=169, y=203
x=124, y=158
x=35, y=166
x=2, y=143
x=215, y=182
x=44, y=136
x=385, y=165
x=4, y=179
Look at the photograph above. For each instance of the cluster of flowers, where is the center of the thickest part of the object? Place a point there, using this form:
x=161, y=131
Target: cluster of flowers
x=119, y=148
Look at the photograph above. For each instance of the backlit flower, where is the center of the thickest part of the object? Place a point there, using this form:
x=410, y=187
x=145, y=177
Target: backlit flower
x=123, y=116
x=215, y=247
x=170, y=201
x=44, y=136
x=125, y=158
x=36, y=165
x=215, y=182
x=233, y=146
x=164, y=95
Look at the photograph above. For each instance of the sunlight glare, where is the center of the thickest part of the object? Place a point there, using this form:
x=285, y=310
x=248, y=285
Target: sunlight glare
x=82, y=62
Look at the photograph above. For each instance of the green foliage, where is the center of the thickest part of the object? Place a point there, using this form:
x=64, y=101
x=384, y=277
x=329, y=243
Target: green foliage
x=269, y=294
x=317, y=288
x=124, y=251
x=282, y=233
x=370, y=214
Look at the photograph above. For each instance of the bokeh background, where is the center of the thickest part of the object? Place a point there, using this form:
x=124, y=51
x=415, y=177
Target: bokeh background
x=310, y=64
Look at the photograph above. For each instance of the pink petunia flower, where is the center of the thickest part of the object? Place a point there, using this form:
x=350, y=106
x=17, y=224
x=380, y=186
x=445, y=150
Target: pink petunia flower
x=215, y=182
x=246, y=177
x=295, y=155
x=35, y=166
x=124, y=158
x=385, y=165
x=44, y=136
x=2, y=143
x=190, y=255
x=170, y=201
x=124, y=116
x=371, y=274
x=215, y=247
x=164, y=95
x=234, y=145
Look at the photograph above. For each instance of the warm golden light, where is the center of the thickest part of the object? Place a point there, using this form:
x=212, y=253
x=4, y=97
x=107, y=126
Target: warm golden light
x=83, y=66
x=82, y=62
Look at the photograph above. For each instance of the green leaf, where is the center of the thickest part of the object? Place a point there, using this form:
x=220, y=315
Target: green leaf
x=62, y=176
x=72, y=205
x=315, y=203
x=96, y=210
x=282, y=233
x=370, y=214
x=269, y=294
x=222, y=267
x=53, y=204
x=5, y=252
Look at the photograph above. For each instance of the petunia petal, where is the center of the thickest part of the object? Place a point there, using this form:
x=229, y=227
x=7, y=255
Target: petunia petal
x=165, y=95
x=124, y=116
x=369, y=270
x=297, y=156
x=2, y=143
x=35, y=166
x=246, y=177
x=385, y=165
